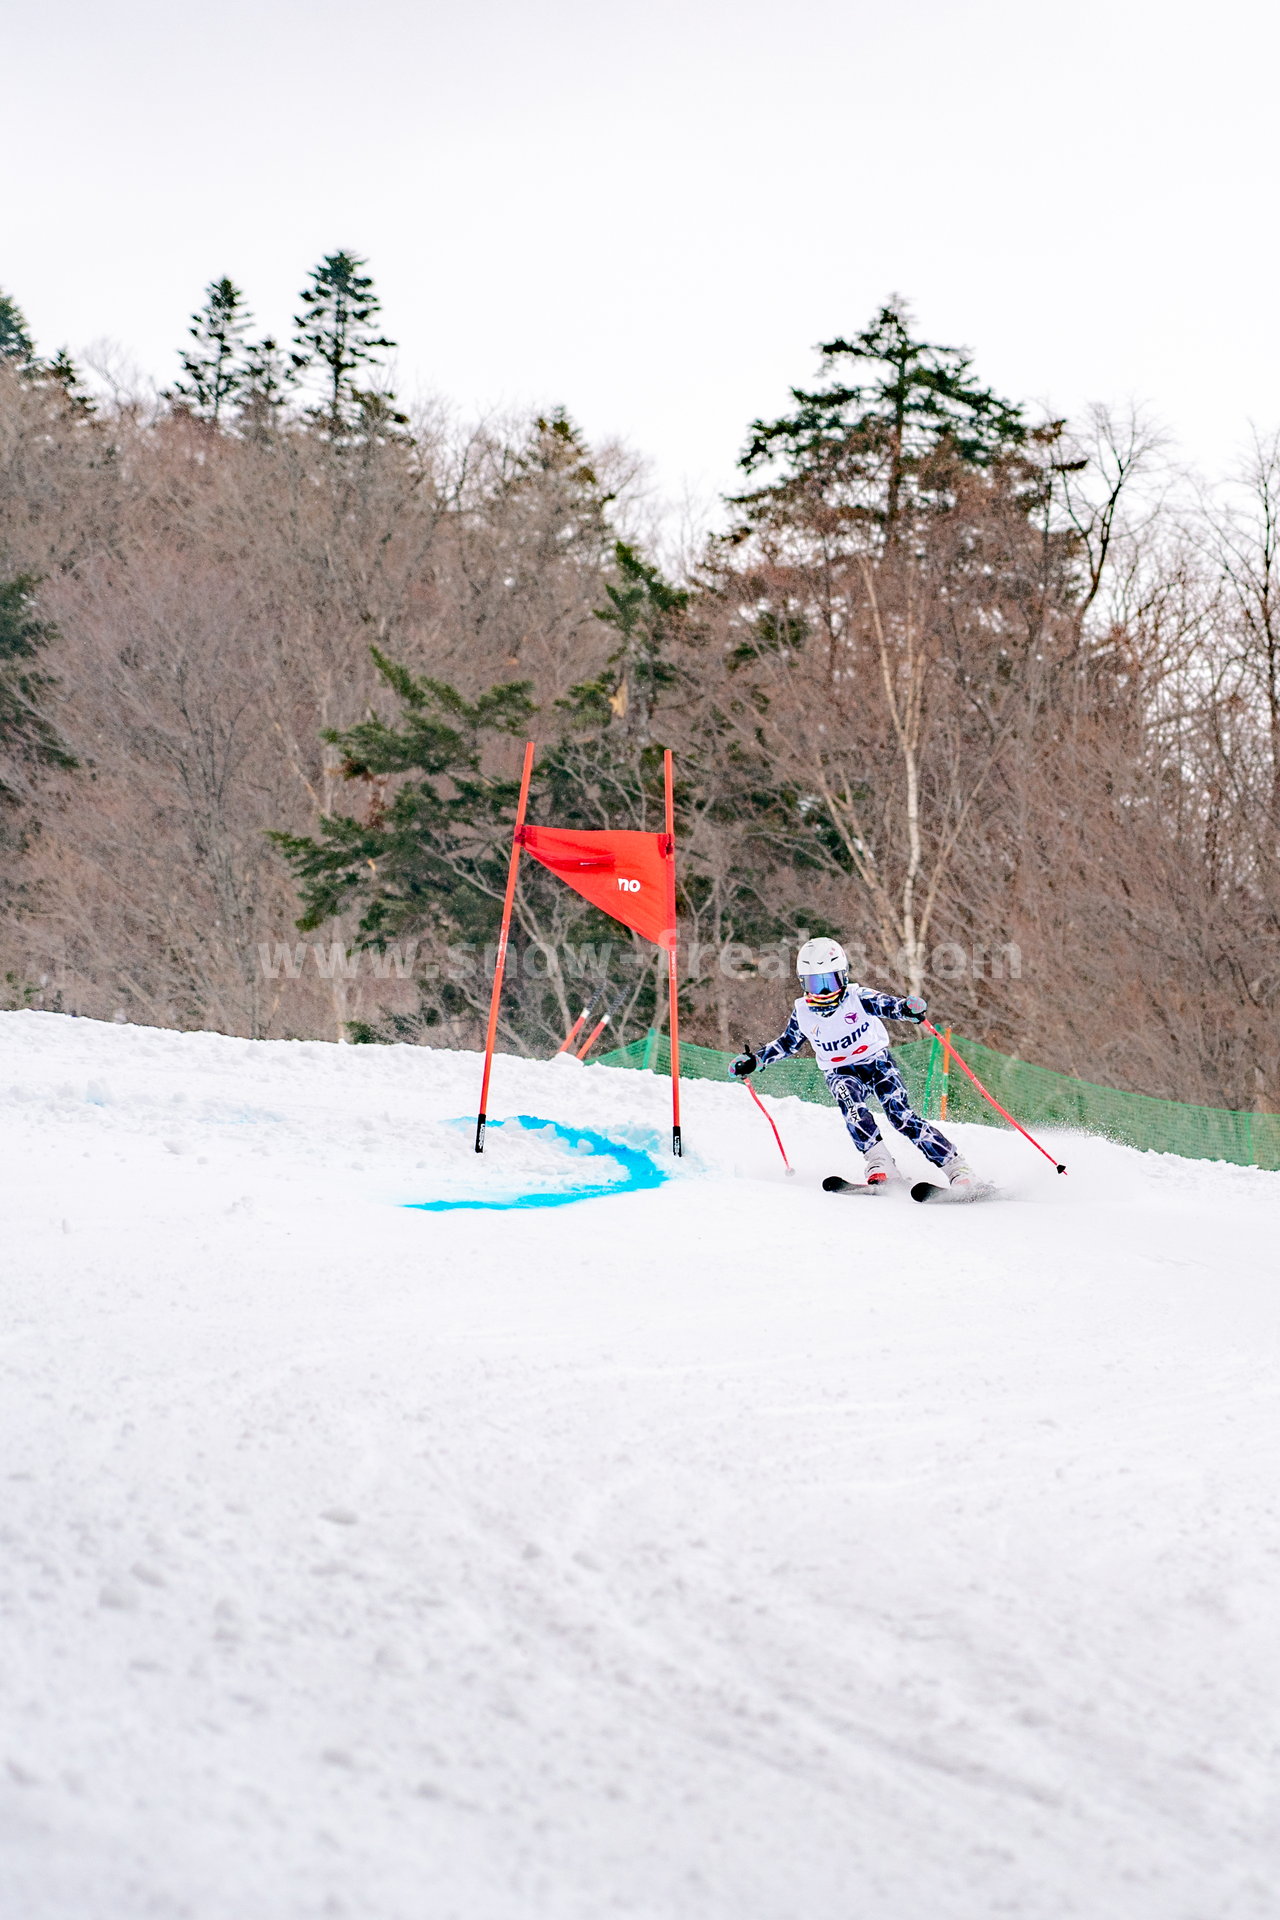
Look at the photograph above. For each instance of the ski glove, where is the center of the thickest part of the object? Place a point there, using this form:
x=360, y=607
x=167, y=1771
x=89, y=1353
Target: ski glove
x=744, y=1064
x=914, y=1008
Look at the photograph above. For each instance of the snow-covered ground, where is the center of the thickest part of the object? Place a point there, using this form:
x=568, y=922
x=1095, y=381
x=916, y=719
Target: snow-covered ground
x=718, y=1549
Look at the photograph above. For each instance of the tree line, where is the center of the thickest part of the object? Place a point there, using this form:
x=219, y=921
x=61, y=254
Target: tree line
x=993, y=697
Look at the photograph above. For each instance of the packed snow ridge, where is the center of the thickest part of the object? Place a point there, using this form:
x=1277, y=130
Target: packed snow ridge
x=712, y=1548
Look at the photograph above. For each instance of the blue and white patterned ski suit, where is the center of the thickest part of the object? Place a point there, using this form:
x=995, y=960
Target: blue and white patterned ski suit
x=852, y=1048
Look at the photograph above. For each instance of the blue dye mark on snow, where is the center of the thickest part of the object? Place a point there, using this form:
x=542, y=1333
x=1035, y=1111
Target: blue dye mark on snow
x=639, y=1170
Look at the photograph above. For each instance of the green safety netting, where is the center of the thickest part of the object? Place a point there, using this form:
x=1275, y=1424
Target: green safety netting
x=1037, y=1097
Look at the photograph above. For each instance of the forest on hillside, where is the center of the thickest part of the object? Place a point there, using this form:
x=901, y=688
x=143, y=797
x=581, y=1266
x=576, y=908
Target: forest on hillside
x=992, y=697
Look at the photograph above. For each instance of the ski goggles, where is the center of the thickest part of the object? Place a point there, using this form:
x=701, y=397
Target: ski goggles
x=823, y=986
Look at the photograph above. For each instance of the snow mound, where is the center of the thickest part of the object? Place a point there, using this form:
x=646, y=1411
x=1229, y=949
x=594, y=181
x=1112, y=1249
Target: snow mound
x=385, y=1536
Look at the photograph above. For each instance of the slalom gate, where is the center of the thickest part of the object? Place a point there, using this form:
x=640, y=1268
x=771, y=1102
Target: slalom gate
x=626, y=873
x=1036, y=1095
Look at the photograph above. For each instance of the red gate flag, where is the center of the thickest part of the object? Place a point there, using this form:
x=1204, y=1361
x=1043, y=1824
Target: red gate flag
x=631, y=876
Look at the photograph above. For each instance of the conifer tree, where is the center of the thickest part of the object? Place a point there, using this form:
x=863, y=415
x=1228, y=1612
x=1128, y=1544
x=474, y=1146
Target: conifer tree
x=433, y=855
x=643, y=609
x=267, y=380
x=895, y=411
x=63, y=372
x=213, y=368
x=15, y=336
x=430, y=856
x=28, y=740
x=556, y=463
x=336, y=333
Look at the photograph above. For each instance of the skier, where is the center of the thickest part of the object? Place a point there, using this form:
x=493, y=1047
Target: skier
x=842, y=1024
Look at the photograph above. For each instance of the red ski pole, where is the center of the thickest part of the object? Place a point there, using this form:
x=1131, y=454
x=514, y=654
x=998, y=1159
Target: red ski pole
x=990, y=1097
x=769, y=1117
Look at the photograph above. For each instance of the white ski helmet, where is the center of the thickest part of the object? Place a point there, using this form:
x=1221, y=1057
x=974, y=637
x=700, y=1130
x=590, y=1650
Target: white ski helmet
x=823, y=967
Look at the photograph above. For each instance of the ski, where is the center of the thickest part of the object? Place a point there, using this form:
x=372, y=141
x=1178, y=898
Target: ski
x=953, y=1196
x=835, y=1183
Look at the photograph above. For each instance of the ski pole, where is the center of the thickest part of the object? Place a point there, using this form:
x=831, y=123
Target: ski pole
x=601, y=1024
x=769, y=1117
x=990, y=1097
x=578, y=1024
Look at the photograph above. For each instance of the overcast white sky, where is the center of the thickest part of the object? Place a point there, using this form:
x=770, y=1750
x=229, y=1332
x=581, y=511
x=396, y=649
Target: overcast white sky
x=650, y=214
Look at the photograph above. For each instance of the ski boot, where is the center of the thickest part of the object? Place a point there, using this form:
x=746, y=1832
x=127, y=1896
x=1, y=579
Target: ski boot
x=880, y=1165
x=959, y=1173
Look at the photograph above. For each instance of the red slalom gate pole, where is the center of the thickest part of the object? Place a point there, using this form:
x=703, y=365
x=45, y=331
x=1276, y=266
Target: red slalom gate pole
x=600, y=1025
x=578, y=1024
x=501, y=960
x=672, y=988
x=990, y=1097
x=592, y=1037
x=769, y=1117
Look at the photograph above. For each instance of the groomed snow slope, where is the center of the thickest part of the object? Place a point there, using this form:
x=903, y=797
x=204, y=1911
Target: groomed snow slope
x=717, y=1551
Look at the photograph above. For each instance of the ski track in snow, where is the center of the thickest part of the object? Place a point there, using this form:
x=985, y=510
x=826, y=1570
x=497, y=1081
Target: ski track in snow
x=713, y=1552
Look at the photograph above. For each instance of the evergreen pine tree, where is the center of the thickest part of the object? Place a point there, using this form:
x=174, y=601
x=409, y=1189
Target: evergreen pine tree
x=895, y=413
x=15, y=336
x=555, y=464
x=28, y=740
x=430, y=855
x=62, y=370
x=266, y=382
x=336, y=332
x=213, y=369
x=434, y=855
x=643, y=608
